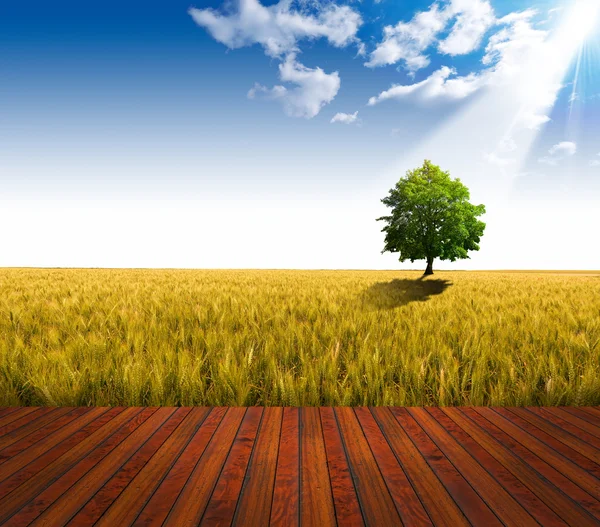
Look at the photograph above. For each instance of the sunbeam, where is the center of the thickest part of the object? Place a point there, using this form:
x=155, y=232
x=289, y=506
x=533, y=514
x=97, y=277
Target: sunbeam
x=515, y=103
x=581, y=20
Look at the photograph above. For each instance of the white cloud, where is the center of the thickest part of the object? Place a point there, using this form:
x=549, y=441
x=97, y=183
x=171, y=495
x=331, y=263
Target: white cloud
x=564, y=148
x=438, y=85
x=345, y=118
x=508, y=49
x=507, y=53
x=533, y=121
x=314, y=88
x=278, y=28
x=595, y=163
x=407, y=41
x=473, y=19
x=558, y=152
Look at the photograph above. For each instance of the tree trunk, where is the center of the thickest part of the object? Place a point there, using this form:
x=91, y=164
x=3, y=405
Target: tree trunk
x=429, y=269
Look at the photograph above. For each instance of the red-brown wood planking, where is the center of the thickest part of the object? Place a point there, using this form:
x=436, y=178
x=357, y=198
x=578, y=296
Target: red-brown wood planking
x=536, y=507
x=300, y=466
x=347, y=508
x=191, y=502
x=376, y=502
x=316, y=504
x=285, y=509
x=153, y=491
x=94, y=508
x=254, y=504
x=221, y=506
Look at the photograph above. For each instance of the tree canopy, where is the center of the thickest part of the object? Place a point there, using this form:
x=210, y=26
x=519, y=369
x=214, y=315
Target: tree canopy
x=431, y=217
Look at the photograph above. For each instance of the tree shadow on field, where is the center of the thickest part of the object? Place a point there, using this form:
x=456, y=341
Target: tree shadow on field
x=399, y=292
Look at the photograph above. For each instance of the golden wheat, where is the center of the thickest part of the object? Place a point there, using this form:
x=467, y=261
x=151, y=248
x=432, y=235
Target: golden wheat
x=209, y=337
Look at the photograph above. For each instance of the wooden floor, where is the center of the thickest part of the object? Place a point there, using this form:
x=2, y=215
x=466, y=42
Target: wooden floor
x=309, y=466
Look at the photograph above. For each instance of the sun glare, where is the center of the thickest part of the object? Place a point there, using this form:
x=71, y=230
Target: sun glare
x=582, y=19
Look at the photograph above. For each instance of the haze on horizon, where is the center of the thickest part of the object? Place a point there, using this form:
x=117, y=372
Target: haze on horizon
x=263, y=135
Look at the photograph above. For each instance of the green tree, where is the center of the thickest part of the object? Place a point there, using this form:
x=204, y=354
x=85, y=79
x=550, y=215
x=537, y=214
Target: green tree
x=431, y=217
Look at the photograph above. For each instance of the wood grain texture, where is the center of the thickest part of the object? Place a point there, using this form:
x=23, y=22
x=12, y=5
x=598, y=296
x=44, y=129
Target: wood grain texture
x=72, y=446
x=470, y=502
x=141, y=491
x=347, y=508
x=405, y=498
x=12, y=414
x=191, y=503
x=577, y=450
x=285, y=509
x=28, y=423
x=96, y=506
x=555, y=490
x=528, y=499
x=254, y=505
x=78, y=484
x=577, y=421
x=316, y=499
x=506, y=508
x=374, y=497
x=551, y=457
x=300, y=466
x=587, y=416
x=442, y=509
x=11, y=449
x=221, y=506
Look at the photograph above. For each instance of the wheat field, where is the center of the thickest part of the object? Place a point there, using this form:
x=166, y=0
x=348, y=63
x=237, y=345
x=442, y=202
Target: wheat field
x=215, y=337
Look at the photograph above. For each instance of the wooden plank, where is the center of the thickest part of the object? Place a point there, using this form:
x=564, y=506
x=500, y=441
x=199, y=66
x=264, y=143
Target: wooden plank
x=442, y=509
x=96, y=506
x=139, y=495
x=376, y=503
x=576, y=421
x=221, y=506
x=347, y=508
x=407, y=502
x=254, y=505
x=471, y=504
x=581, y=453
x=594, y=410
x=126, y=446
x=5, y=410
x=285, y=509
x=31, y=487
x=582, y=414
x=29, y=424
x=316, y=499
x=17, y=413
x=30, y=470
x=563, y=424
x=496, y=497
x=313, y=466
x=11, y=450
x=539, y=477
x=535, y=506
x=566, y=467
x=192, y=500
x=67, y=493
x=27, y=419
x=35, y=454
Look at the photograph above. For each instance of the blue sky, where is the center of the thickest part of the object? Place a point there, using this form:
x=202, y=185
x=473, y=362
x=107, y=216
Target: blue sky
x=241, y=134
